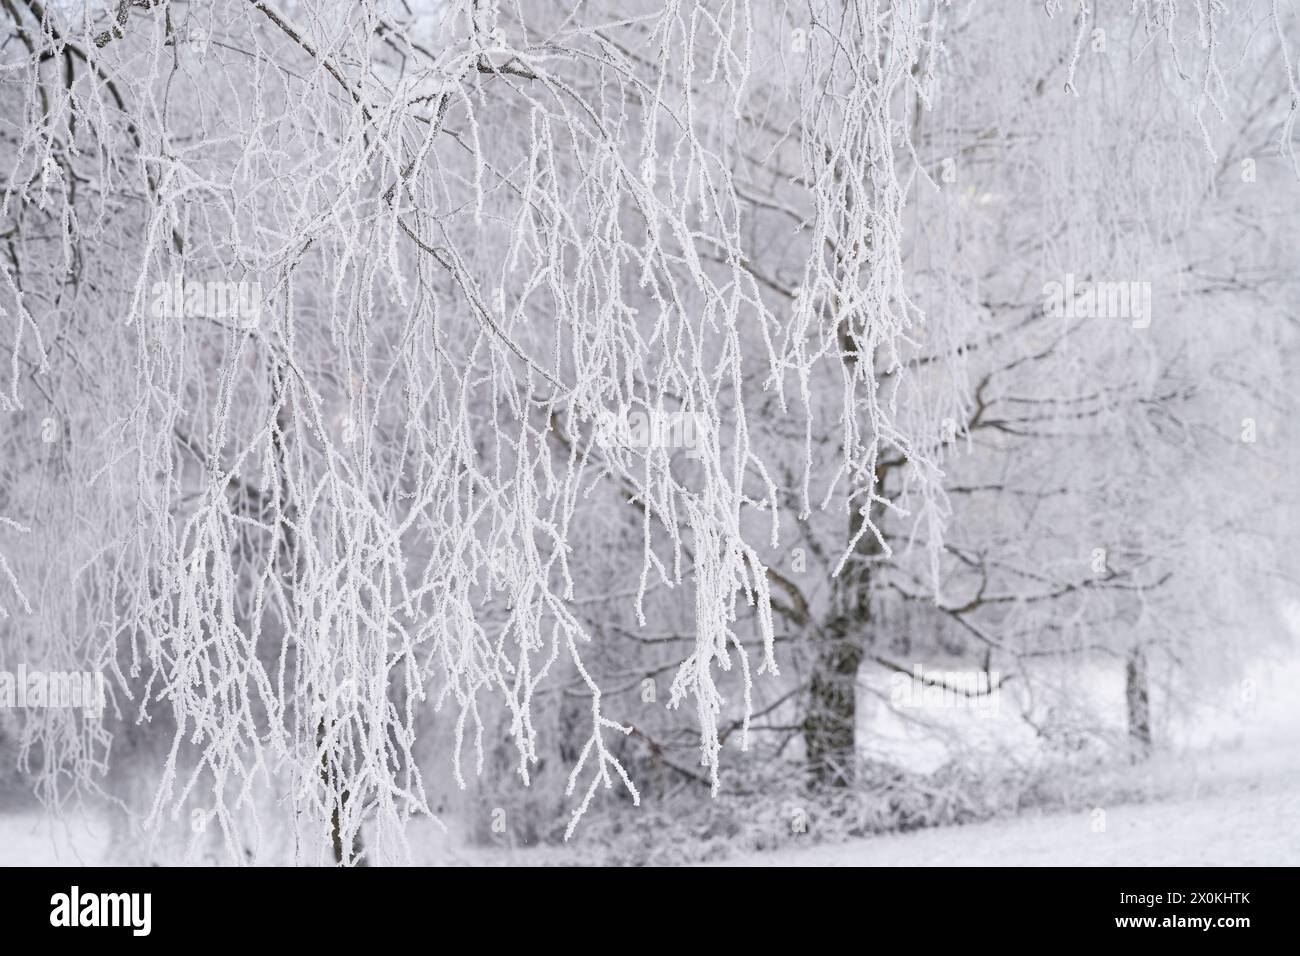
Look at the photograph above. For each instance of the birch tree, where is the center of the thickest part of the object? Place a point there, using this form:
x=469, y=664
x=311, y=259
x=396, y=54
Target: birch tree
x=338, y=333
x=471, y=231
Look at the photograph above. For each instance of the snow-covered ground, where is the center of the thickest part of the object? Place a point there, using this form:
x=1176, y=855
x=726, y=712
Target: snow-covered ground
x=1235, y=759
x=28, y=838
x=1249, y=817
x=1228, y=793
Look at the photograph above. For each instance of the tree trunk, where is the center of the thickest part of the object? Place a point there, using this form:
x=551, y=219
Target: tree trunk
x=839, y=645
x=353, y=855
x=1139, y=703
x=829, y=725
x=289, y=565
x=838, y=649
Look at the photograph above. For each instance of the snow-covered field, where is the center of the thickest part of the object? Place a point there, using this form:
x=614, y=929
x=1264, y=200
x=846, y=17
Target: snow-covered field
x=1251, y=818
x=1236, y=760
x=1225, y=793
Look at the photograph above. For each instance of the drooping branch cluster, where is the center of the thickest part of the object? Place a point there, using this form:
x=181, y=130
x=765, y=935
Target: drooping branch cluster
x=324, y=321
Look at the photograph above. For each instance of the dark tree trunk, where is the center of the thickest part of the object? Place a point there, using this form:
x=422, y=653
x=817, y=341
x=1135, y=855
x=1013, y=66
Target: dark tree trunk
x=838, y=649
x=353, y=855
x=839, y=645
x=829, y=725
x=1139, y=703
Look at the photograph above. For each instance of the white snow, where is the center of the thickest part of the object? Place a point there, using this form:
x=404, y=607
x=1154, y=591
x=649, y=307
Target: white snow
x=1242, y=809
x=1252, y=819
